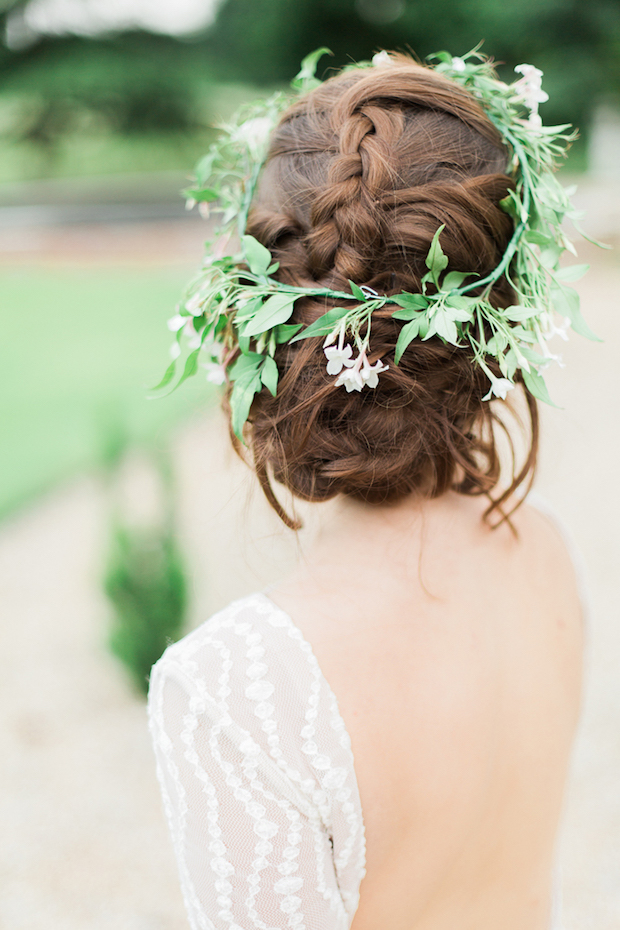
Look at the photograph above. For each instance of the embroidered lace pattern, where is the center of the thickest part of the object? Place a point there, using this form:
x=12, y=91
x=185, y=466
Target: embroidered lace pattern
x=257, y=776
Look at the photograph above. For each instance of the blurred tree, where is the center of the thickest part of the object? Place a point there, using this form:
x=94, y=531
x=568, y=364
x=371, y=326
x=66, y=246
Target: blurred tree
x=130, y=82
x=136, y=81
x=139, y=82
x=577, y=44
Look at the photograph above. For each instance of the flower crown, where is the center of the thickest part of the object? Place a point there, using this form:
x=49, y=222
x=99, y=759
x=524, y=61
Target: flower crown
x=235, y=313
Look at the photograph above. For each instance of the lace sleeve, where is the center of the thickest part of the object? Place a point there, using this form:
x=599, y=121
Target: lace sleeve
x=251, y=848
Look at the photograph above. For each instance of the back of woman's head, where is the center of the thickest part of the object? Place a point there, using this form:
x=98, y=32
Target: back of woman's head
x=361, y=173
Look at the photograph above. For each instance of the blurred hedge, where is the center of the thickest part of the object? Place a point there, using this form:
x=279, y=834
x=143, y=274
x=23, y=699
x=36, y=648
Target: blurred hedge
x=137, y=82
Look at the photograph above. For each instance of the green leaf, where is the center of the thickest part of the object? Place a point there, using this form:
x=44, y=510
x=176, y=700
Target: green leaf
x=461, y=308
x=191, y=366
x=269, y=375
x=455, y=279
x=204, y=168
x=244, y=344
x=497, y=344
x=167, y=378
x=245, y=365
x=241, y=400
x=535, y=384
x=445, y=327
x=458, y=314
x=276, y=309
x=248, y=310
x=410, y=301
x=566, y=302
x=357, y=292
x=550, y=256
x=518, y=313
x=424, y=327
x=537, y=238
x=324, y=325
x=406, y=314
x=534, y=357
x=285, y=332
x=436, y=260
x=510, y=365
x=305, y=80
x=512, y=206
x=571, y=273
x=206, y=194
x=407, y=334
x=525, y=334
x=256, y=255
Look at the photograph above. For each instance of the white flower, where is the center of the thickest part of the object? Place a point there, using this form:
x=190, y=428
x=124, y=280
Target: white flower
x=194, y=340
x=458, y=64
x=499, y=388
x=370, y=373
x=175, y=323
x=190, y=203
x=381, y=59
x=204, y=210
x=216, y=374
x=194, y=305
x=175, y=350
x=529, y=90
x=338, y=357
x=551, y=330
x=254, y=133
x=361, y=374
x=550, y=356
x=351, y=378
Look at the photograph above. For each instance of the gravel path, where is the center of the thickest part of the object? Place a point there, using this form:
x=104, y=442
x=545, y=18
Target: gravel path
x=84, y=844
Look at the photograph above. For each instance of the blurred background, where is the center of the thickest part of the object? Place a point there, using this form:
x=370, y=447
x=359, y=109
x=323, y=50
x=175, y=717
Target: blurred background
x=125, y=521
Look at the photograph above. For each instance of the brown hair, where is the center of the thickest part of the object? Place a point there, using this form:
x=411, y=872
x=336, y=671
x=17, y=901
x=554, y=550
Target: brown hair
x=360, y=175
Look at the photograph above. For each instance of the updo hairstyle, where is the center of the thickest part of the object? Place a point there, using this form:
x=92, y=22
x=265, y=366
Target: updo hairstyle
x=360, y=175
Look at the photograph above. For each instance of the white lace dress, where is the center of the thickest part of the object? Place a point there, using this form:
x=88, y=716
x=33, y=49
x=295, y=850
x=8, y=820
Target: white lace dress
x=257, y=776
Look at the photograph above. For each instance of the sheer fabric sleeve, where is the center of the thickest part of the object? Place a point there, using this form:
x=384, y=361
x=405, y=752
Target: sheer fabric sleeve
x=259, y=842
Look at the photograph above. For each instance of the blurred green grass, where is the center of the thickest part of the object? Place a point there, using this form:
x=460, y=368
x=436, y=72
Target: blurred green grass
x=80, y=348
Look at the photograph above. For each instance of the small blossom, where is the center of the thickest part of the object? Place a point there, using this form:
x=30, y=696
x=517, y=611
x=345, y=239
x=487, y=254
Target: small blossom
x=175, y=323
x=458, y=64
x=203, y=209
x=552, y=330
x=194, y=305
x=254, y=133
x=499, y=388
x=529, y=90
x=338, y=357
x=194, y=340
x=370, y=373
x=550, y=356
x=216, y=374
x=190, y=203
x=361, y=374
x=351, y=378
x=381, y=59
x=175, y=350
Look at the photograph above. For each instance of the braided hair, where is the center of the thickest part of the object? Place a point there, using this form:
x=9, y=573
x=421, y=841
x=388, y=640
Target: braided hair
x=360, y=175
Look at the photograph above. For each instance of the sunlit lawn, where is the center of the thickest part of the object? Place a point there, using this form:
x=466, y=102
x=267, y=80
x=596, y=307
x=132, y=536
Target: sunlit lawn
x=79, y=350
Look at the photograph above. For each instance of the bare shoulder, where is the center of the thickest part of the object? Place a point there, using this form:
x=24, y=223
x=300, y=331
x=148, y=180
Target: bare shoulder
x=545, y=552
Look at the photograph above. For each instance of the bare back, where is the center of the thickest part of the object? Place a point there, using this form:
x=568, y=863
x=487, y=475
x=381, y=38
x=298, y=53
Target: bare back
x=455, y=654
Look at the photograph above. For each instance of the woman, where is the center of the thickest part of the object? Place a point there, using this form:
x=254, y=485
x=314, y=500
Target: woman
x=433, y=633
